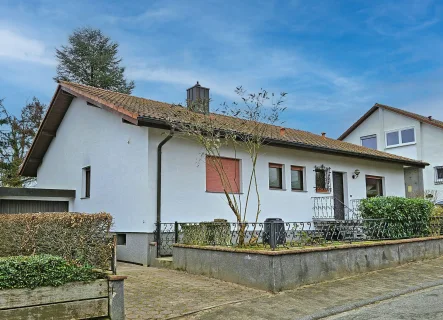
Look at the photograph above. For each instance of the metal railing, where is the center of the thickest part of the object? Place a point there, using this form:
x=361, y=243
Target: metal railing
x=274, y=235
x=333, y=208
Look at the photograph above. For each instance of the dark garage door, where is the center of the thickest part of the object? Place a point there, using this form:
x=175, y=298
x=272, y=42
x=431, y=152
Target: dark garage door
x=31, y=206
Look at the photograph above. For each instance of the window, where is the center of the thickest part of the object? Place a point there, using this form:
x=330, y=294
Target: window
x=374, y=186
x=400, y=137
x=297, y=176
x=275, y=176
x=438, y=175
x=392, y=138
x=121, y=239
x=322, y=179
x=86, y=192
x=222, y=174
x=369, y=142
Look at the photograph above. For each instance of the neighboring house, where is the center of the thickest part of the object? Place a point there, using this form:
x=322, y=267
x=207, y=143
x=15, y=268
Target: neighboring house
x=107, y=146
x=406, y=134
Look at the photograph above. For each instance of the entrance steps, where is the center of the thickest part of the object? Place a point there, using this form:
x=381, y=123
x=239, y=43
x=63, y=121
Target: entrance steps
x=163, y=263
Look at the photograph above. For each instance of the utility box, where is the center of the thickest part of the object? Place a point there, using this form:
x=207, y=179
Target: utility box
x=274, y=232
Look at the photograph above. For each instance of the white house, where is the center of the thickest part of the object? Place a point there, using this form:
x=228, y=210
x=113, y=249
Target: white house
x=118, y=153
x=404, y=134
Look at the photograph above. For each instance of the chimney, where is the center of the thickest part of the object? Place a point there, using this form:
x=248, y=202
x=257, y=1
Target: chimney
x=323, y=134
x=282, y=131
x=430, y=118
x=198, y=99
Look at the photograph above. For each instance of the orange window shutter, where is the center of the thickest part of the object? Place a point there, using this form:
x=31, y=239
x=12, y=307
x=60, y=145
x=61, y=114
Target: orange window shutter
x=228, y=168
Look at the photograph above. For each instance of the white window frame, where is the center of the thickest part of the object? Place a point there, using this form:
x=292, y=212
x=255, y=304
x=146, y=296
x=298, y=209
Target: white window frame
x=400, y=144
x=369, y=137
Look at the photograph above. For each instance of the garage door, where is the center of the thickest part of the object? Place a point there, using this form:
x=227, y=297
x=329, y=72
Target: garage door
x=31, y=206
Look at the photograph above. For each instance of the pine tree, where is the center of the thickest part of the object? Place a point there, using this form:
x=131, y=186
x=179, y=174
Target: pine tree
x=91, y=59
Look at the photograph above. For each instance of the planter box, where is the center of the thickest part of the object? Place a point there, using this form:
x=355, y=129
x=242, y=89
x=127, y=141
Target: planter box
x=287, y=269
x=76, y=300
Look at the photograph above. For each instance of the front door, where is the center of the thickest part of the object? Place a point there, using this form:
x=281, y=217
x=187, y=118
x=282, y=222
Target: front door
x=339, y=195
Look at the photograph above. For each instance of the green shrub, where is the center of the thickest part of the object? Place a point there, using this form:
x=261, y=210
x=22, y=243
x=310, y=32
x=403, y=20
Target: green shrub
x=43, y=270
x=207, y=233
x=437, y=211
x=402, y=217
x=73, y=236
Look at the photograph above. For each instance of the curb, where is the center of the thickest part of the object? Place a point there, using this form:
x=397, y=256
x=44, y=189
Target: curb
x=362, y=303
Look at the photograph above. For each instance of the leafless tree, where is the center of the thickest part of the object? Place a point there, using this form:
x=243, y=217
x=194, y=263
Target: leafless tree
x=240, y=126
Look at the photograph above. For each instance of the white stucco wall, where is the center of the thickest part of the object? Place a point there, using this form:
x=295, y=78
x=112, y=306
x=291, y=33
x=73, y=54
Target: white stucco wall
x=372, y=125
x=428, y=146
x=184, y=182
x=382, y=121
x=123, y=160
x=432, y=152
x=118, y=156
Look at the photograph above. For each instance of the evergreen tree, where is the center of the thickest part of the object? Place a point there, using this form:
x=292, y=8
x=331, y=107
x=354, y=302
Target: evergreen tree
x=91, y=59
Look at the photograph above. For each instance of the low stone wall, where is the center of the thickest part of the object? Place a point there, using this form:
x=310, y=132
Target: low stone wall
x=287, y=269
x=76, y=300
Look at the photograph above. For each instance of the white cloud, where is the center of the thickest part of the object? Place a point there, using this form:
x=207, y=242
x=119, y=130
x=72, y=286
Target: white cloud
x=15, y=46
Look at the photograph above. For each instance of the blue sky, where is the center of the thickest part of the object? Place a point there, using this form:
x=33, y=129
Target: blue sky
x=335, y=59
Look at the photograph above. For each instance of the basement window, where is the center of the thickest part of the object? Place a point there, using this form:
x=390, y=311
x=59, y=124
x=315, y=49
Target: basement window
x=86, y=188
x=121, y=239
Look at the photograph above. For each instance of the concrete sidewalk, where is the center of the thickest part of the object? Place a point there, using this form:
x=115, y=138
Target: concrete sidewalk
x=164, y=294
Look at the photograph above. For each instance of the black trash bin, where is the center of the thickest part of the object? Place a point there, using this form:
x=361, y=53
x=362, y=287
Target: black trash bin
x=277, y=235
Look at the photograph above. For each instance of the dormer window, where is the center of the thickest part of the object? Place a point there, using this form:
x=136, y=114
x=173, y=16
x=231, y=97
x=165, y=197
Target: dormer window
x=400, y=137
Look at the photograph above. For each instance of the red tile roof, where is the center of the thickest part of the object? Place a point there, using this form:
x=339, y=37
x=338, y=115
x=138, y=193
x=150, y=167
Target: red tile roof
x=145, y=111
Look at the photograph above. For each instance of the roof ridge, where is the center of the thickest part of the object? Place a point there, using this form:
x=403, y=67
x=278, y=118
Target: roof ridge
x=403, y=110
x=74, y=84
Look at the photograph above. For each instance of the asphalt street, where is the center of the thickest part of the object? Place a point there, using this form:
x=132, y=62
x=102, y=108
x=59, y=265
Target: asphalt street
x=420, y=305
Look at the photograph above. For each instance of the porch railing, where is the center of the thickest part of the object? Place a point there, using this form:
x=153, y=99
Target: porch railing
x=275, y=235
x=334, y=209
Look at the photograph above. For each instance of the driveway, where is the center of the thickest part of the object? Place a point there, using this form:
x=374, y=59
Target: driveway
x=152, y=293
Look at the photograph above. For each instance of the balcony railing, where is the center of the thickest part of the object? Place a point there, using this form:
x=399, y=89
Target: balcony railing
x=334, y=209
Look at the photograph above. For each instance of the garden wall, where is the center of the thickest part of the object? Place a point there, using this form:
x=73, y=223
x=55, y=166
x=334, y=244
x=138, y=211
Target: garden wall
x=75, y=300
x=287, y=269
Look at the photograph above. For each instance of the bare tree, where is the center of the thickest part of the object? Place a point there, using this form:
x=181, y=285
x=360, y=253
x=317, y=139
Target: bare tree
x=244, y=126
x=16, y=137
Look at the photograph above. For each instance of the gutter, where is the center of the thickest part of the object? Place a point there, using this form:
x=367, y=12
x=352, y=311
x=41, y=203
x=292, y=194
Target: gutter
x=161, y=124
x=159, y=184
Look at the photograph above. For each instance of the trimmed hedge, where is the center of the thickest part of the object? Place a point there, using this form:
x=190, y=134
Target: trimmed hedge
x=74, y=236
x=404, y=217
x=207, y=233
x=43, y=270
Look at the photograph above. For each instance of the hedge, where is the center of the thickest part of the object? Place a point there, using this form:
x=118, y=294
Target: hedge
x=403, y=217
x=207, y=233
x=43, y=270
x=74, y=236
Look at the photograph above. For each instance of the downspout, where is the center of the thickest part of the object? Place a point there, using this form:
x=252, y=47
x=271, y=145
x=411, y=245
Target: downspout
x=159, y=186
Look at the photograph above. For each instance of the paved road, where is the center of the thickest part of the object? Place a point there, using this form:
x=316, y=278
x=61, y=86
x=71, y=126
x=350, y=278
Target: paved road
x=152, y=293
x=422, y=305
